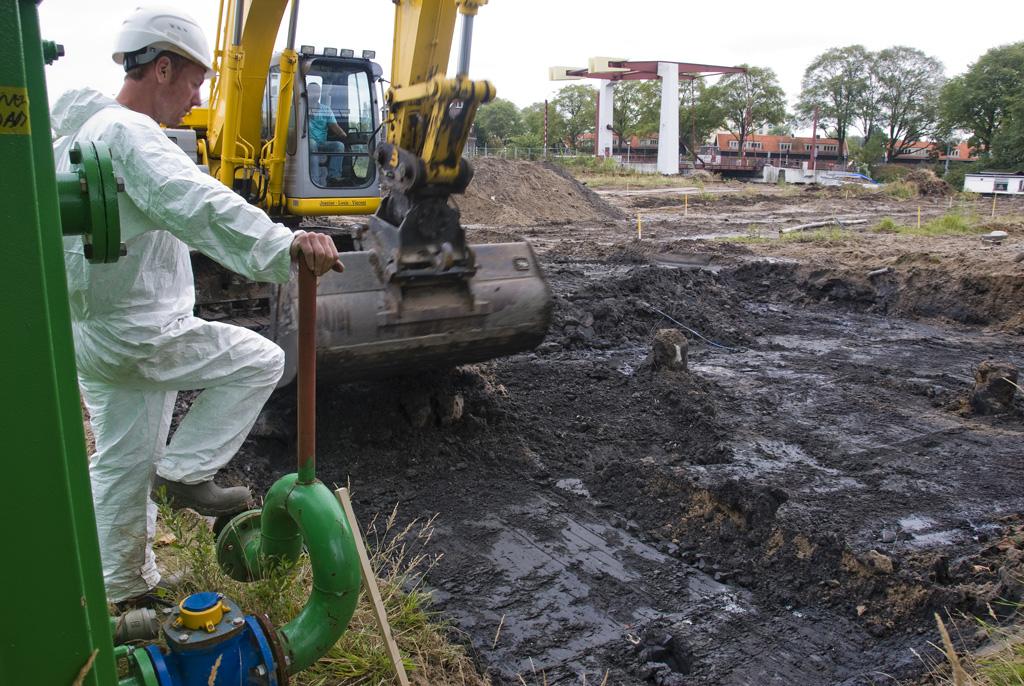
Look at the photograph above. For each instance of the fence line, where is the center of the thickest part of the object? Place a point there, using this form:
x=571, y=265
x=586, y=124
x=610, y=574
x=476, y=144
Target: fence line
x=513, y=152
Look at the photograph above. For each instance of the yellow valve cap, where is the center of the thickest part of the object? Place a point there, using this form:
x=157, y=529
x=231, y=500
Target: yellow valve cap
x=202, y=611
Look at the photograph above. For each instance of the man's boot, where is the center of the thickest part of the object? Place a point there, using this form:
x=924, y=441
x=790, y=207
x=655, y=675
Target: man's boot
x=161, y=595
x=206, y=497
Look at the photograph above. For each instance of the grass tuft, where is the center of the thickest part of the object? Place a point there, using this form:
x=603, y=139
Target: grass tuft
x=902, y=190
x=756, y=234
x=888, y=225
x=360, y=657
x=951, y=224
x=1000, y=662
x=822, y=235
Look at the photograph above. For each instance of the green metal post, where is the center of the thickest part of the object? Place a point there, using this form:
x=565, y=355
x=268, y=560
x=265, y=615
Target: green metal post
x=55, y=618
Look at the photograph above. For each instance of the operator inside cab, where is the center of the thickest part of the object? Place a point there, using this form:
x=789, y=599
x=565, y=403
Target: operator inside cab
x=339, y=122
x=325, y=136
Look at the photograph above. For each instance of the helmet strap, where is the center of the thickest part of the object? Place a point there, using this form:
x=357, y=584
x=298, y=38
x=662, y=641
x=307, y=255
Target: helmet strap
x=138, y=58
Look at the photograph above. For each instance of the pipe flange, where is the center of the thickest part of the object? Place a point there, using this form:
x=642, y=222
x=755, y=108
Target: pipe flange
x=240, y=533
x=275, y=647
x=95, y=187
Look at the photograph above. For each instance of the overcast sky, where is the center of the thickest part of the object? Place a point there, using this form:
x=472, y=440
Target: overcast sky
x=515, y=41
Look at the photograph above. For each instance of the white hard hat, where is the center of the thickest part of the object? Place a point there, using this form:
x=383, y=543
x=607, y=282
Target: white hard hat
x=153, y=29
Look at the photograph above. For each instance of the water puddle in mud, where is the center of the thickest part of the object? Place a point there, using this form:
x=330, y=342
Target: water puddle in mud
x=588, y=582
x=921, y=533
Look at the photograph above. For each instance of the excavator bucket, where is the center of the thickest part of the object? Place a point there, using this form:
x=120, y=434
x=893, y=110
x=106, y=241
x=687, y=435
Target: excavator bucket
x=370, y=324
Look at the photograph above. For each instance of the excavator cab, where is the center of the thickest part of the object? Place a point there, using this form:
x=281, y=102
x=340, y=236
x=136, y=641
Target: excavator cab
x=332, y=133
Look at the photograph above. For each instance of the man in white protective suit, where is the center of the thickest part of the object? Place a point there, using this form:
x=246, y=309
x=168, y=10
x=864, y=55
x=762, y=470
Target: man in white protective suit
x=136, y=341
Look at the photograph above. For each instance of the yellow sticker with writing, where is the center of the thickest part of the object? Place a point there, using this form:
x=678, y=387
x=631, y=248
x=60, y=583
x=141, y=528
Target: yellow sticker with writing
x=14, y=111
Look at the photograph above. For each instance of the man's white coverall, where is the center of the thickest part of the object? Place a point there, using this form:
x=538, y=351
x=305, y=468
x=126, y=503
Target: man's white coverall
x=136, y=341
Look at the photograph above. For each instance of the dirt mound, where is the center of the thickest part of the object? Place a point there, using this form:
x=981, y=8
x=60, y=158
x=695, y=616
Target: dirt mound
x=626, y=310
x=703, y=176
x=521, y=193
x=947, y=278
x=913, y=286
x=928, y=184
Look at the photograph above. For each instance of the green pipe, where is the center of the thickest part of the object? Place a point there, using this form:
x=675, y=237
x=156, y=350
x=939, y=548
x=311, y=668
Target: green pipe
x=140, y=667
x=74, y=204
x=294, y=513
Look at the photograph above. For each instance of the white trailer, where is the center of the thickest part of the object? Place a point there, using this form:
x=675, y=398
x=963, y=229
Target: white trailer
x=998, y=183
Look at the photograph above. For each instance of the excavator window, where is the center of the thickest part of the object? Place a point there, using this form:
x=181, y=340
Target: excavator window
x=339, y=122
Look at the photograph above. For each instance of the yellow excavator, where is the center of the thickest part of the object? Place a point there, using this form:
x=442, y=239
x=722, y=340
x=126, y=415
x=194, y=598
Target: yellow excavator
x=300, y=135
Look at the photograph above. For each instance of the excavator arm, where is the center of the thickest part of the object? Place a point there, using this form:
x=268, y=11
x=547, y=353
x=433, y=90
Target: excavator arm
x=429, y=120
x=431, y=115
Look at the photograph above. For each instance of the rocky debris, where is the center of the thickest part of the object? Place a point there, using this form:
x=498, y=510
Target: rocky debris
x=877, y=562
x=668, y=351
x=417, y=408
x=992, y=394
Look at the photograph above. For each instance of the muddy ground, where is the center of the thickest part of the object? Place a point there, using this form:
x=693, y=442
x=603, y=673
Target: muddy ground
x=789, y=510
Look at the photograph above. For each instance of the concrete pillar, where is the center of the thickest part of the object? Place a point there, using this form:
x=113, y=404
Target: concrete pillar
x=606, y=104
x=668, y=131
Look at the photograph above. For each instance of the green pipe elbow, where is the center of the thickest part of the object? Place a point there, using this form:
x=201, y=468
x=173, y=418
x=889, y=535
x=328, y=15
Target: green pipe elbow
x=313, y=512
x=253, y=541
x=280, y=537
x=296, y=514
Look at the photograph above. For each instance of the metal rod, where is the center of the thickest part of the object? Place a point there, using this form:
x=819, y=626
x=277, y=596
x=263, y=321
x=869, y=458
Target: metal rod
x=293, y=23
x=467, y=43
x=236, y=36
x=307, y=374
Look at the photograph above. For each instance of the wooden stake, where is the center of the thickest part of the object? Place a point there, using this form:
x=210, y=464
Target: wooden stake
x=370, y=586
x=918, y=216
x=686, y=204
x=639, y=229
x=993, y=204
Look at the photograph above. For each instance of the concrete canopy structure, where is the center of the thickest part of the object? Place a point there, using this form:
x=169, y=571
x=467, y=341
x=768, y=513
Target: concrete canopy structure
x=608, y=70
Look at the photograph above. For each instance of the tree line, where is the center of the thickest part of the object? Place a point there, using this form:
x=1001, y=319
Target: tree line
x=872, y=102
